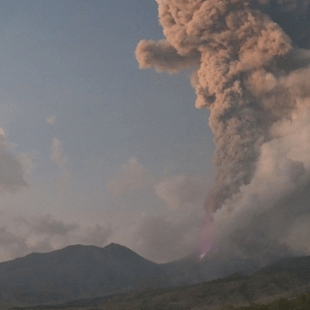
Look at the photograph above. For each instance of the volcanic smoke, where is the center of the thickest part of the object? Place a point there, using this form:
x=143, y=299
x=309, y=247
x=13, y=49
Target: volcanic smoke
x=250, y=63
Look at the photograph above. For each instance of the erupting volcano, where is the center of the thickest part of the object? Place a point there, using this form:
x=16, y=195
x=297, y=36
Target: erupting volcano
x=250, y=63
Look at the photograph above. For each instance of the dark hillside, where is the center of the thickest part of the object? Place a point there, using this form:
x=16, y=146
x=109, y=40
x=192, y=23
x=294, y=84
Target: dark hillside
x=263, y=286
x=76, y=272
x=88, y=276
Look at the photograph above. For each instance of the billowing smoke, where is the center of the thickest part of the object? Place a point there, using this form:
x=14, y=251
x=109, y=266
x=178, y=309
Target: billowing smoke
x=251, y=70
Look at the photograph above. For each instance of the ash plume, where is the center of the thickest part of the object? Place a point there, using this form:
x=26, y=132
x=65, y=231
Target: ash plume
x=251, y=70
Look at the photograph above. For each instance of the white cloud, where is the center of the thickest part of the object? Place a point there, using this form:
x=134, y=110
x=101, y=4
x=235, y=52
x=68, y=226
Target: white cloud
x=47, y=225
x=177, y=191
x=26, y=160
x=51, y=120
x=11, y=245
x=131, y=177
x=162, y=240
x=58, y=234
x=11, y=170
x=45, y=233
x=57, y=155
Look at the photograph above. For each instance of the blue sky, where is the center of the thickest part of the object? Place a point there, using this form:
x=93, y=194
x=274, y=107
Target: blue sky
x=127, y=141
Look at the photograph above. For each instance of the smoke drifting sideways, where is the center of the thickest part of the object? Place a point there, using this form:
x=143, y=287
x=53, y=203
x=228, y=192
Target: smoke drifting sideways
x=250, y=63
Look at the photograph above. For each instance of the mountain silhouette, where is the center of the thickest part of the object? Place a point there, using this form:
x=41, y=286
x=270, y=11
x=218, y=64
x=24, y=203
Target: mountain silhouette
x=286, y=278
x=76, y=272
x=88, y=272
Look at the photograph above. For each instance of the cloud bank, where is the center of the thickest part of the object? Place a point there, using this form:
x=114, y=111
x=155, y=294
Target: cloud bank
x=45, y=234
x=57, y=155
x=51, y=120
x=132, y=176
x=178, y=191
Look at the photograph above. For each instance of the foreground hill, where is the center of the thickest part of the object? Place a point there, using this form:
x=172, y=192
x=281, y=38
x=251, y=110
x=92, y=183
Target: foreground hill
x=76, y=272
x=301, y=302
x=286, y=278
x=81, y=276
x=193, y=270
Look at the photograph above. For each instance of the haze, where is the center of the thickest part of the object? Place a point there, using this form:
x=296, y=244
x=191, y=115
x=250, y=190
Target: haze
x=94, y=150
x=109, y=153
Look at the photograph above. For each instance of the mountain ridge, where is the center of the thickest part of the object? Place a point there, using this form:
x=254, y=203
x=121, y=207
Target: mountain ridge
x=262, y=287
x=85, y=272
x=76, y=272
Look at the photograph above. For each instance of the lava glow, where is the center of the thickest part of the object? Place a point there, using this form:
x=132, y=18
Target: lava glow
x=206, y=237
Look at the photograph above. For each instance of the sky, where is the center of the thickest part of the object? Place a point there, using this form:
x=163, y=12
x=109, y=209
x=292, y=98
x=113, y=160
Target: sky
x=109, y=152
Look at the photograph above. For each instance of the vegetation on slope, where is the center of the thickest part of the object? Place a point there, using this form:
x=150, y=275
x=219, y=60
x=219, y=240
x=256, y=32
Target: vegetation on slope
x=283, y=280
x=209, y=295
x=302, y=302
